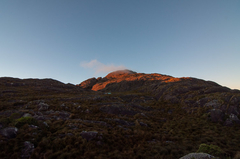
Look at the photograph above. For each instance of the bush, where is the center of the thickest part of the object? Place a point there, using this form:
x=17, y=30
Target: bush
x=211, y=149
x=25, y=120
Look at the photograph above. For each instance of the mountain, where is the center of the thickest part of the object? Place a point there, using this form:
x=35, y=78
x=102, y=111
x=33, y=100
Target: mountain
x=122, y=115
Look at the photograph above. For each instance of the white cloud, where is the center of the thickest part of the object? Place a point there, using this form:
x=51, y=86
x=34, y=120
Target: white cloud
x=99, y=67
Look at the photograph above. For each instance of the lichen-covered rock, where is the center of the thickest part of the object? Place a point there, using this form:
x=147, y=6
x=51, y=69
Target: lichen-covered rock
x=9, y=132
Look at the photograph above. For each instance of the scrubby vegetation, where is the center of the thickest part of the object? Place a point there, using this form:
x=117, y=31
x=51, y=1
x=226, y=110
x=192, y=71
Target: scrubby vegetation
x=54, y=120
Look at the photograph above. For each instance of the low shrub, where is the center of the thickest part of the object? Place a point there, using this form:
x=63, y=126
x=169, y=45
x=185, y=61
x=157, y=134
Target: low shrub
x=25, y=120
x=211, y=149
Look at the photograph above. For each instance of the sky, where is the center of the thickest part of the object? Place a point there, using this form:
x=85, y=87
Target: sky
x=72, y=41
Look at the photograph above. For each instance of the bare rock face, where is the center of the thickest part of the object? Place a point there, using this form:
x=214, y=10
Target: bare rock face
x=120, y=73
x=88, y=84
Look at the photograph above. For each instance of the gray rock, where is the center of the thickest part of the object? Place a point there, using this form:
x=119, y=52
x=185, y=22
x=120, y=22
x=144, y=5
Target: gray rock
x=213, y=103
x=228, y=122
x=9, y=132
x=123, y=122
x=90, y=135
x=235, y=100
x=43, y=106
x=27, y=115
x=233, y=110
x=232, y=119
x=197, y=156
x=27, y=150
x=216, y=115
x=202, y=101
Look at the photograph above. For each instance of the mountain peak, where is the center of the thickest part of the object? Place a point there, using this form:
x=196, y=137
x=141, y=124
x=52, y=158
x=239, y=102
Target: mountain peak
x=120, y=72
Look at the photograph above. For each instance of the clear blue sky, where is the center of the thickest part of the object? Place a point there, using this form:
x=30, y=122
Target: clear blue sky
x=78, y=39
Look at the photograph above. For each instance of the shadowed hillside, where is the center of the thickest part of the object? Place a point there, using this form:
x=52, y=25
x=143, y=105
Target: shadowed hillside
x=123, y=115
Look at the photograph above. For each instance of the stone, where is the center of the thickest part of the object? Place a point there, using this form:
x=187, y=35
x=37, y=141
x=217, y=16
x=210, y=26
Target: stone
x=9, y=132
x=203, y=101
x=27, y=115
x=43, y=106
x=216, y=115
x=213, y=103
x=197, y=156
x=233, y=110
x=235, y=100
x=123, y=122
x=89, y=135
x=27, y=150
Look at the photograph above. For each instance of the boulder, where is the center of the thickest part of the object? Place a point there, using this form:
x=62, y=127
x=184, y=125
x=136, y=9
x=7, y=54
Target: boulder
x=233, y=110
x=235, y=100
x=231, y=120
x=203, y=101
x=197, y=156
x=216, y=115
x=27, y=150
x=213, y=103
x=9, y=132
x=89, y=135
x=43, y=106
x=27, y=115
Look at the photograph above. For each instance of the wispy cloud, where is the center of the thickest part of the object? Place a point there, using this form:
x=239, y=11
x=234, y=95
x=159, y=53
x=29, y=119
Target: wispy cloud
x=99, y=67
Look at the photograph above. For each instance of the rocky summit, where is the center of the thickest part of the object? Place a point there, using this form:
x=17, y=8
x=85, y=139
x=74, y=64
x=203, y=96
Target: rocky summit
x=122, y=115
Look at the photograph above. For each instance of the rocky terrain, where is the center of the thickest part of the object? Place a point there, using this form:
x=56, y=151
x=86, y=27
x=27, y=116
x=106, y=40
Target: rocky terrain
x=123, y=115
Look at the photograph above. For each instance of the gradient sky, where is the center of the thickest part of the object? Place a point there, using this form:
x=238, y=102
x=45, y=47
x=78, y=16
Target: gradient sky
x=74, y=40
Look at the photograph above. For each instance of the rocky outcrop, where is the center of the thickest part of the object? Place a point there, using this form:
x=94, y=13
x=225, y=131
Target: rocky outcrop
x=89, y=135
x=190, y=93
x=27, y=150
x=9, y=132
x=197, y=156
x=88, y=84
x=127, y=80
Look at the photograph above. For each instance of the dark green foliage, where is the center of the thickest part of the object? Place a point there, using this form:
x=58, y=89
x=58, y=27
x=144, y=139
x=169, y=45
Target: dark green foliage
x=211, y=149
x=25, y=120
